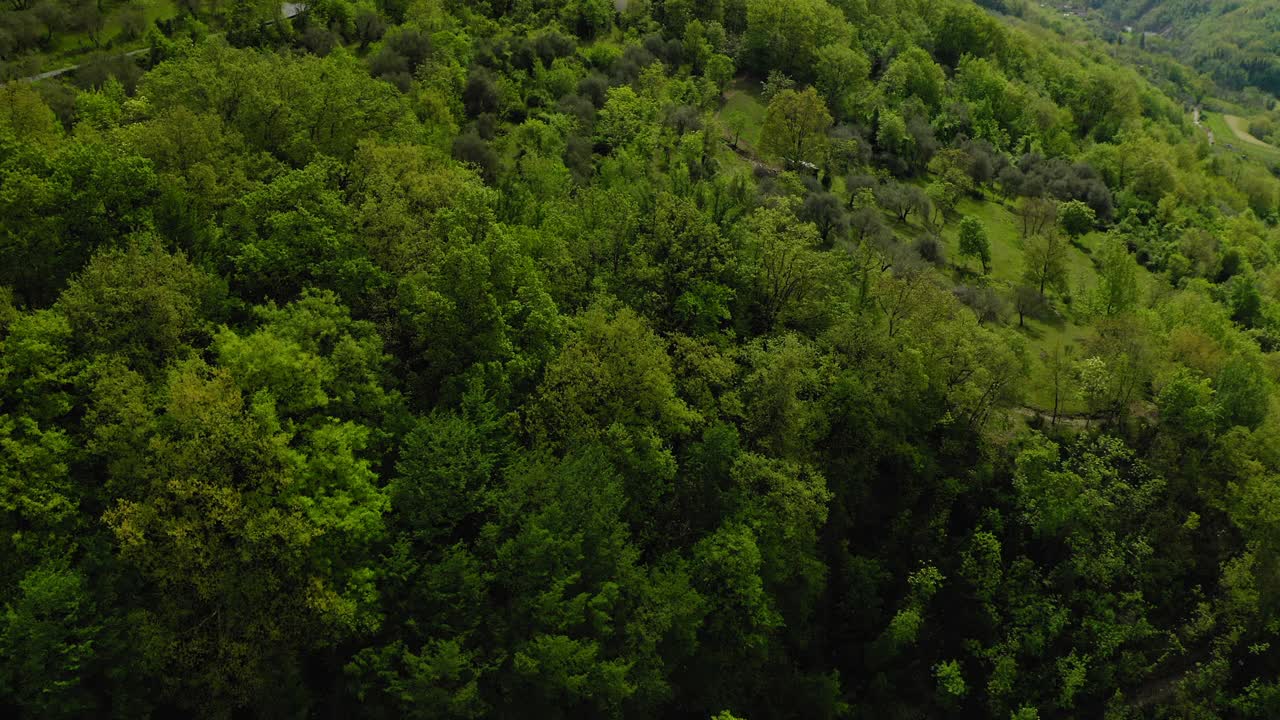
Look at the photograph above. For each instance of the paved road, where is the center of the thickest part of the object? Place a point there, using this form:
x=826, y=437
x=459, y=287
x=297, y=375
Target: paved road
x=288, y=10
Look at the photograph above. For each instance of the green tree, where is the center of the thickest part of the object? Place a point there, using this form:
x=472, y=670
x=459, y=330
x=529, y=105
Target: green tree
x=795, y=126
x=1045, y=259
x=683, y=253
x=612, y=383
x=914, y=74
x=892, y=135
x=787, y=34
x=47, y=632
x=292, y=233
x=843, y=78
x=720, y=70
x=240, y=529
x=1076, y=218
x=1117, y=278
x=624, y=117
x=1243, y=391
x=974, y=242
x=141, y=304
x=786, y=263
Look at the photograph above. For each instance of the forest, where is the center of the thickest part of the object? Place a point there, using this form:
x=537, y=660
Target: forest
x=1232, y=42
x=721, y=360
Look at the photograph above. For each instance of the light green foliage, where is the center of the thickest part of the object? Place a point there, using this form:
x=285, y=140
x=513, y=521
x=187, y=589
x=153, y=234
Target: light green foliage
x=785, y=504
x=1076, y=218
x=1094, y=488
x=950, y=679
x=720, y=69
x=1243, y=391
x=789, y=271
x=683, y=255
x=624, y=118
x=27, y=116
x=140, y=303
x=291, y=233
x=1045, y=263
x=612, y=372
x=239, y=536
x=795, y=126
x=974, y=242
x=726, y=567
x=842, y=77
x=1117, y=278
x=293, y=107
x=914, y=74
x=892, y=135
x=310, y=355
x=981, y=565
x=1073, y=670
x=1187, y=404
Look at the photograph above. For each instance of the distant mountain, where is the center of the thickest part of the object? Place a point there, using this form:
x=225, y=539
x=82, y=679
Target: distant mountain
x=1233, y=41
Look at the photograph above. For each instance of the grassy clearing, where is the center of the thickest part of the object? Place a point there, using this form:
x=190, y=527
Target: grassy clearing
x=1240, y=127
x=1066, y=329
x=742, y=100
x=1042, y=340
x=1225, y=134
x=68, y=46
x=1042, y=336
x=1004, y=229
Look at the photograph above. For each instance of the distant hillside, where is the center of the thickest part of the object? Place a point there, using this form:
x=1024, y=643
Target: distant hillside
x=1232, y=41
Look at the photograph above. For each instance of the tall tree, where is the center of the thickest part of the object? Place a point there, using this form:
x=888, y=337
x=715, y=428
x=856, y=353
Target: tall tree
x=1046, y=262
x=974, y=242
x=795, y=126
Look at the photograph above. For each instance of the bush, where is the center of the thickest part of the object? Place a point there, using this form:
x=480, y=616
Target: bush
x=929, y=248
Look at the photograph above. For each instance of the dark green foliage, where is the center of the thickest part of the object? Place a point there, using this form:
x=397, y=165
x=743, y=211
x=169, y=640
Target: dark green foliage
x=561, y=359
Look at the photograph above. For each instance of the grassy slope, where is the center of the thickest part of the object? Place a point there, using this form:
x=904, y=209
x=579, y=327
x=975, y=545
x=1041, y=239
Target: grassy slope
x=1068, y=329
x=1004, y=230
x=68, y=46
x=1227, y=135
x=742, y=99
x=1240, y=126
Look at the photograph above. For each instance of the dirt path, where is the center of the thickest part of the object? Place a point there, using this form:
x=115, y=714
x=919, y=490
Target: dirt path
x=1240, y=127
x=1076, y=421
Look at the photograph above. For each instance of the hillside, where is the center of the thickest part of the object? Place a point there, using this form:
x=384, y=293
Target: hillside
x=1233, y=42
x=740, y=360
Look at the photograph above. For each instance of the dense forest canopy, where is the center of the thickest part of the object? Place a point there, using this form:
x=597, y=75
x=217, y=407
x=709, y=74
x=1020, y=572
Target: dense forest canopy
x=570, y=358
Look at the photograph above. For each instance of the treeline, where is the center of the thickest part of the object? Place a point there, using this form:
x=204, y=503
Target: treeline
x=443, y=359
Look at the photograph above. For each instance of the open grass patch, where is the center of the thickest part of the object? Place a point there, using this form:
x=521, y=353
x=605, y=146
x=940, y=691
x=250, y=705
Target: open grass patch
x=1225, y=134
x=67, y=47
x=743, y=111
